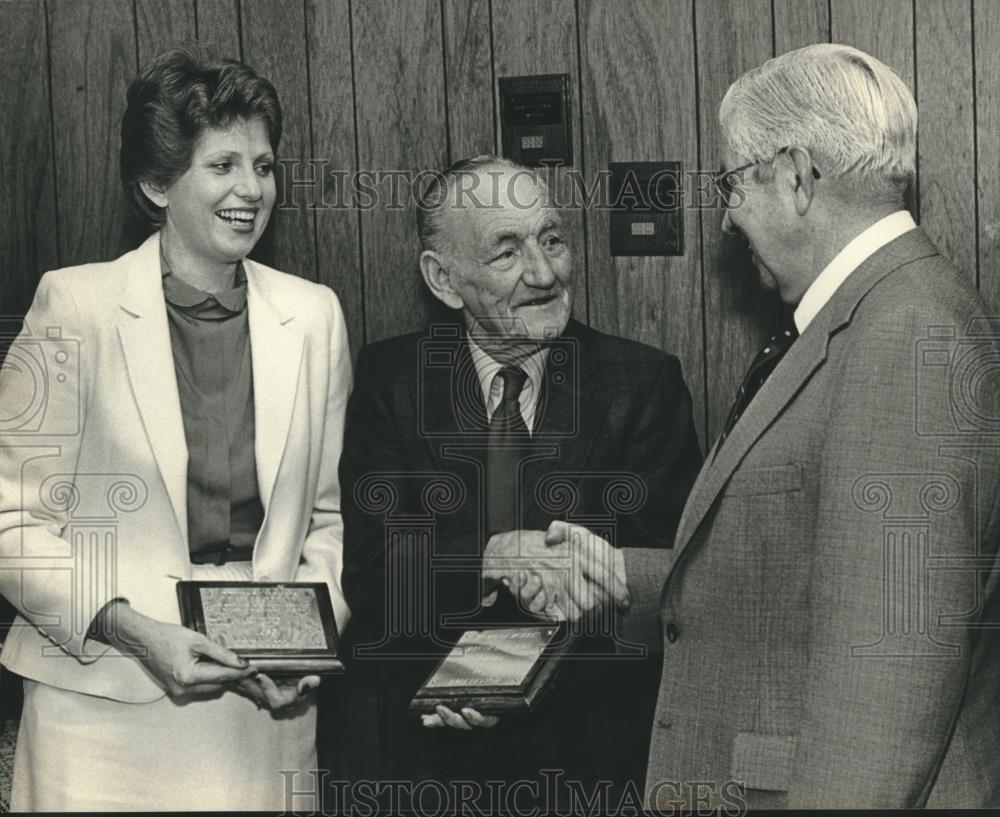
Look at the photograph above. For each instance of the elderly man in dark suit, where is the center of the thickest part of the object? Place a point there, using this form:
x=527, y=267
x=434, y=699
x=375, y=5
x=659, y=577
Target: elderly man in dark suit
x=828, y=616
x=463, y=443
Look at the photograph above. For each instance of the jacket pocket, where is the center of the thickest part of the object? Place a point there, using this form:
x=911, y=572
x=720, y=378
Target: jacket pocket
x=763, y=762
x=772, y=479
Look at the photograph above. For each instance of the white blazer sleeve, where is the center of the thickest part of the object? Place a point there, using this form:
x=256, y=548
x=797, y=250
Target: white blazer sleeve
x=56, y=585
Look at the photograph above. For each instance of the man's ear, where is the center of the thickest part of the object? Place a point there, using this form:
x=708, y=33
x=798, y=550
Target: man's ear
x=155, y=193
x=438, y=279
x=804, y=179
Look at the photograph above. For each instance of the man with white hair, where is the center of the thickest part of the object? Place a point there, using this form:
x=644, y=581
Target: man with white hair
x=829, y=613
x=462, y=443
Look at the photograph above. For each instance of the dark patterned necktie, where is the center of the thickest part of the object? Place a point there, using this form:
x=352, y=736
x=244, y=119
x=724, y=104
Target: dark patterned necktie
x=508, y=439
x=766, y=361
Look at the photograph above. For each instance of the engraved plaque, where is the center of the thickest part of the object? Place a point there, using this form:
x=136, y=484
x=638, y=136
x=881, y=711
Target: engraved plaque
x=282, y=628
x=503, y=669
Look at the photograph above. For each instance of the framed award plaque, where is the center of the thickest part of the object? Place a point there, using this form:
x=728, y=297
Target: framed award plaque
x=497, y=670
x=283, y=628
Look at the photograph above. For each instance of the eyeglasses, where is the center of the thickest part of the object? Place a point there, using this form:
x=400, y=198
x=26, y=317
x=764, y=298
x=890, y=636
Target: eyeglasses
x=725, y=180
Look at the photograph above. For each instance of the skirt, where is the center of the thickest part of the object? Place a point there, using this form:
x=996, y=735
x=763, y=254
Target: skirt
x=79, y=752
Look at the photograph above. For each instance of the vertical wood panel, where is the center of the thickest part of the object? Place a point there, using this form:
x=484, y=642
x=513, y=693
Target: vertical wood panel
x=739, y=315
x=798, y=23
x=986, y=25
x=160, y=24
x=332, y=91
x=541, y=38
x=883, y=29
x=399, y=93
x=92, y=52
x=219, y=26
x=418, y=62
x=469, y=78
x=638, y=74
x=29, y=239
x=946, y=154
x=274, y=45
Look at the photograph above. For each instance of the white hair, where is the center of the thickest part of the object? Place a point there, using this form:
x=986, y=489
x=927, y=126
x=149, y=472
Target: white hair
x=852, y=112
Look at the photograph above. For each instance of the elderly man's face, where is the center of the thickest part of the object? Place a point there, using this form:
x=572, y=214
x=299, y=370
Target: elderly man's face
x=753, y=214
x=767, y=212
x=509, y=264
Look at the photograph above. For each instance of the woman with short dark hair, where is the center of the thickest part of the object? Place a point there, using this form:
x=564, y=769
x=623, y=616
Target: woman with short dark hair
x=178, y=95
x=193, y=402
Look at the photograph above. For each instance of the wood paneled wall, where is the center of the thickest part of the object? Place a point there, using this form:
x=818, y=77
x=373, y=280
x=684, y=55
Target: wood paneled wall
x=410, y=84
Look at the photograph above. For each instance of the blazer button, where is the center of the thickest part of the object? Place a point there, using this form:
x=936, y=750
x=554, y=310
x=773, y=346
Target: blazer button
x=672, y=633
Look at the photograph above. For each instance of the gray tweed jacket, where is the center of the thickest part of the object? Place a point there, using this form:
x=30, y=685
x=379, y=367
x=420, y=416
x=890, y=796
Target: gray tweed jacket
x=829, y=616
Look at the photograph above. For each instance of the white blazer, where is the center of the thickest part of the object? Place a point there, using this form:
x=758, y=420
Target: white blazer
x=93, y=460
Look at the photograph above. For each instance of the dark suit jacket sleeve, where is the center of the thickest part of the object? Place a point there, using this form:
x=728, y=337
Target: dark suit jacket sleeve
x=374, y=469
x=876, y=719
x=662, y=449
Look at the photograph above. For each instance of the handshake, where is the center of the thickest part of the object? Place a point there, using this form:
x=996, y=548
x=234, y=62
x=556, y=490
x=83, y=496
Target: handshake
x=563, y=573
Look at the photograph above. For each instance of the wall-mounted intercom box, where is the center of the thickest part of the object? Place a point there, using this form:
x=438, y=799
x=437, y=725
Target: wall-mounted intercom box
x=647, y=208
x=535, y=122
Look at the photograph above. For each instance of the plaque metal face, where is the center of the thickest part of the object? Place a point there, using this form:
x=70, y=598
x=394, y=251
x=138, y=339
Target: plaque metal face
x=283, y=628
x=496, y=670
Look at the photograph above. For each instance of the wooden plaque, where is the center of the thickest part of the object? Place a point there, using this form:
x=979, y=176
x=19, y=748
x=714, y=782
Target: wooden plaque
x=497, y=670
x=283, y=628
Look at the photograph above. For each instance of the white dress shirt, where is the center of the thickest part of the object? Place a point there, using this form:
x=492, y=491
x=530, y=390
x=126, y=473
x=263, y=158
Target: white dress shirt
x=854, y=254
x=488, y=371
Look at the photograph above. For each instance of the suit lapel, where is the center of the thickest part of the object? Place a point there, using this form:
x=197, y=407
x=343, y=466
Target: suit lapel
x=572, y=404
x=570, y=408
x=276, y=354
x=450, y=408
x=145, y=339
x=573, y=401
x=806, y=355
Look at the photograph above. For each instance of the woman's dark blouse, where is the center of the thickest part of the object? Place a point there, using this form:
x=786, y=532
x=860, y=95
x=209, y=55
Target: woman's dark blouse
x=210, y=338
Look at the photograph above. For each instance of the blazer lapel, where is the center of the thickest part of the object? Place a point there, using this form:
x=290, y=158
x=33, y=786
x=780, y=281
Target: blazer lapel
x=276, y=358
x=805, y=356
x=145, y=340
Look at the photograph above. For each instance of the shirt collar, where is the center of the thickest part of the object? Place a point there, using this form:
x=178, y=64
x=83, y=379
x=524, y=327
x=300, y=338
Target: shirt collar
x=854, y=254
x=187, y=297
x=487, y=369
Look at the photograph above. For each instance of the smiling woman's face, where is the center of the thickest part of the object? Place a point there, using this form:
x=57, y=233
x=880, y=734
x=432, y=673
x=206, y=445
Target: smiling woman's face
x=220, y=205
x=511, y=264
